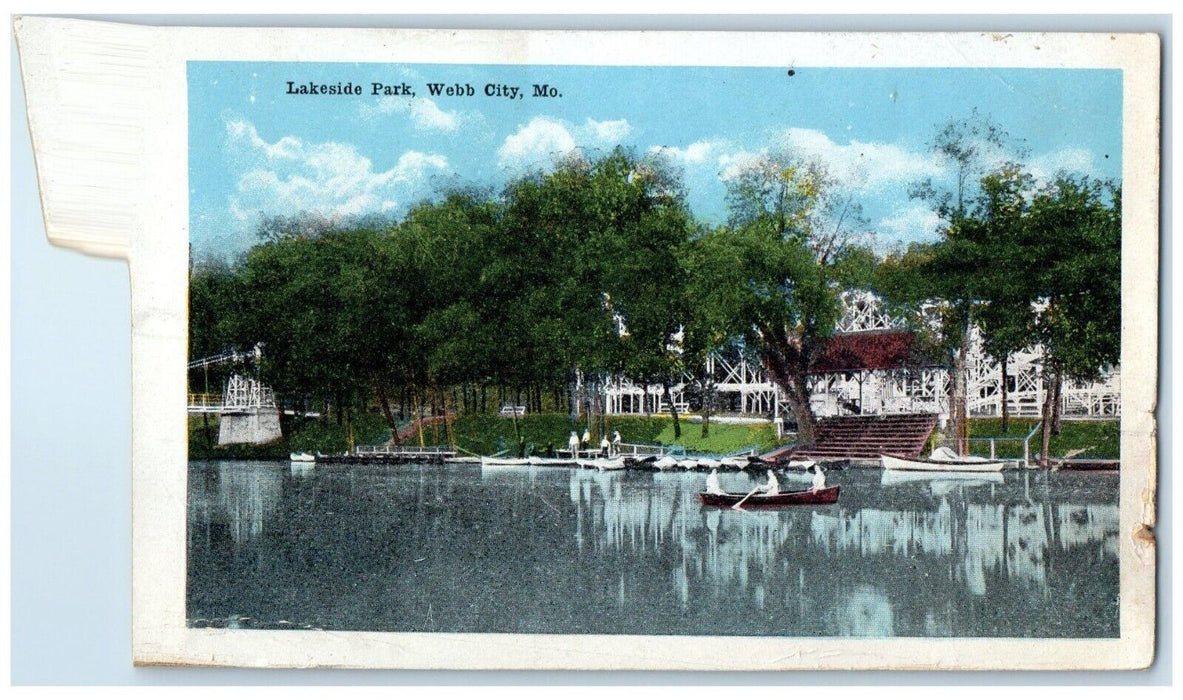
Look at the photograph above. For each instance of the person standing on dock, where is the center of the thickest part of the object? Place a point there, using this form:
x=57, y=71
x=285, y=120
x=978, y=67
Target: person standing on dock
x=819, y=478
x=605, y=447
x=615, y=442
x=573, y=445
x=586, y=442
x=713, y=486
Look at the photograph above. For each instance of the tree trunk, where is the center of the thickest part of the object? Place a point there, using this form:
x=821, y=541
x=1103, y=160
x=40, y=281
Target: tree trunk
x=1005, y=393
x=665, y=390
x=788, y=368
x=435, y=409
x=802, y=412
x=385, y=404
x=1045, y=429
x=707, y=388
x=1057, y=412
x=957, y=412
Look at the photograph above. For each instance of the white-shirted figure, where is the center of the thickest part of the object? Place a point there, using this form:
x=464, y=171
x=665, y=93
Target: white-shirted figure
x=616, y=442
x=605, y=446
x=573, y=444
x=819, y=478
x=772, y=487
x=713, y=483
x=586, y=438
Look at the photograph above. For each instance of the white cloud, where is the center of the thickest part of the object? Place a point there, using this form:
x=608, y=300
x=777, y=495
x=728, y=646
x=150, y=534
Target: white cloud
x=914, y=222
x=544, y=141
x=540, y=142
x=424, y=113
x=610, y=132
x=328, y=178
x=695, y=154
x=1072, y=160
x=860, y=165
x=732, y=164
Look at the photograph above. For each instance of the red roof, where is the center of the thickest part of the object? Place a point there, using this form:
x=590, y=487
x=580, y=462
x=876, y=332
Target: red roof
x=868, y=350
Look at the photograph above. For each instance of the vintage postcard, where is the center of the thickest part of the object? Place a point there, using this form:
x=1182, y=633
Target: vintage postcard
x=628, y=350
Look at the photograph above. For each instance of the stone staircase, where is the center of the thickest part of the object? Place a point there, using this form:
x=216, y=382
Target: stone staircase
x=869, y=437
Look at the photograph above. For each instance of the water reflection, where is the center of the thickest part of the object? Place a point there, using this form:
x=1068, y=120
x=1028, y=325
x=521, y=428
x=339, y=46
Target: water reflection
x=529, y=549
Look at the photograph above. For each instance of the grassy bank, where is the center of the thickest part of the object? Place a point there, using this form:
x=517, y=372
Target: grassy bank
x=477, y=434
x=300, y=435
x=491, y=434
x=1092, y=438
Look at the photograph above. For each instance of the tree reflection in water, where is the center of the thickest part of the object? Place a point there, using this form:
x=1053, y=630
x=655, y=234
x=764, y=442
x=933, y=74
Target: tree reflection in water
x=572, y=551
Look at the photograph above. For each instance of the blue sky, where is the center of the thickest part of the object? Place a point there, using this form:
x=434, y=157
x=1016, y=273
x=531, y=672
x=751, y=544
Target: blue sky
x=256, y=150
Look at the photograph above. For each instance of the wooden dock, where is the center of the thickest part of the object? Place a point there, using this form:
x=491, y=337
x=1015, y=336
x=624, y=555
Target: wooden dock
x=390, y=454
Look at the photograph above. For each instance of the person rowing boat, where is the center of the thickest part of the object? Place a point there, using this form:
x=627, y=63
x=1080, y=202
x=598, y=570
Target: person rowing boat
x=713, y=486
x=772, y=487
x=819, y=478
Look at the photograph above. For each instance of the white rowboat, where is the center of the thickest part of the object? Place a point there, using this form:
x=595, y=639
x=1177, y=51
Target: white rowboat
x=665, y=463
x=927, y=465
x=502, y=462
x=301, y=457
x=603, y=464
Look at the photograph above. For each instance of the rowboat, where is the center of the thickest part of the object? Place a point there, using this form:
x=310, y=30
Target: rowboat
x=550, y=462
x=964, y=464
x=665, y=463
x=301, y=457
x=503, y=462
x=708, y=463
x=602, y=464
x=809, y=497
x=735, y=462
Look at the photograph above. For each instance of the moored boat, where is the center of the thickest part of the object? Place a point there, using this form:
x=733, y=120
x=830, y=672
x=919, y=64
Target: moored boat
x=504, y=462
x=550, y=462
x=809, y=497
x=969, y=464
x=603, y=464
x=301, y=457
x=665, y=463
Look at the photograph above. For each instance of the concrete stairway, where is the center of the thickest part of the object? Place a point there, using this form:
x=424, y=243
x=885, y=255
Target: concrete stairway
x=868, y=437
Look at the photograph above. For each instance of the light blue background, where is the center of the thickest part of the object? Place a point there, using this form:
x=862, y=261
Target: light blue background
x=71, y=487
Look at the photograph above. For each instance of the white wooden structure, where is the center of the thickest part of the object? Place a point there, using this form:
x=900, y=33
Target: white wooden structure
x=743, y=387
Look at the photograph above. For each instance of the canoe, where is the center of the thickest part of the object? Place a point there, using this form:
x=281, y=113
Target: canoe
x=785, y=498
x=301, y=457
x=929, y=465
x=504, y=462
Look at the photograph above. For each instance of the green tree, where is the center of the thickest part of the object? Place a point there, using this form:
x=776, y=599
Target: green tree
x=1074, y=232
x=775, y=271
x=972, y=147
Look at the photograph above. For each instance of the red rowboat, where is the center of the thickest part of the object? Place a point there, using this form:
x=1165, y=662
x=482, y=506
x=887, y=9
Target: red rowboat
x=785, y=498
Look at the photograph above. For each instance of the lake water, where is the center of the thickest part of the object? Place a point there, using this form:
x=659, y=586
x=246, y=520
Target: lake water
x=428, y=548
